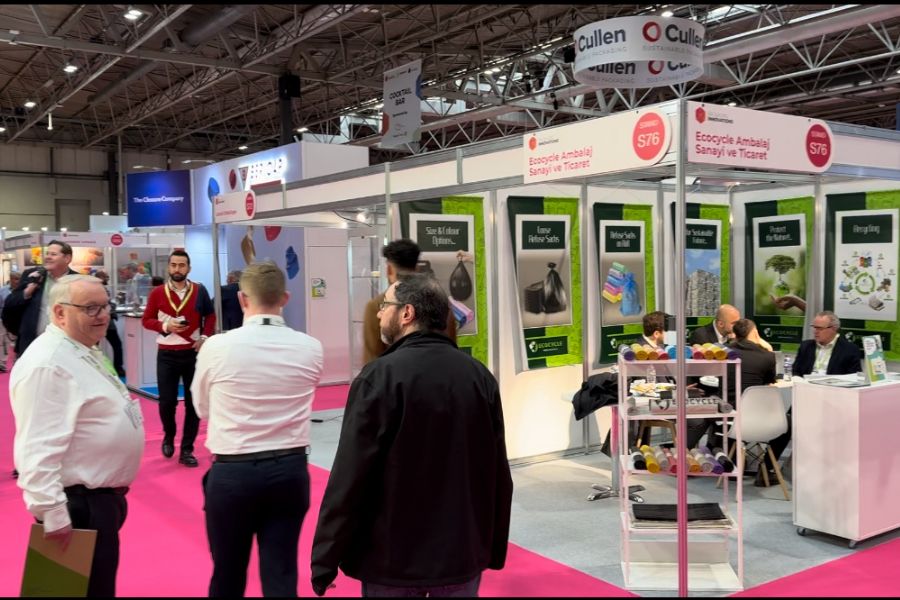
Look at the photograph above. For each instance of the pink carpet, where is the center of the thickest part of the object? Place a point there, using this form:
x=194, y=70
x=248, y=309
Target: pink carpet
x=329, y=397
x=164, y=548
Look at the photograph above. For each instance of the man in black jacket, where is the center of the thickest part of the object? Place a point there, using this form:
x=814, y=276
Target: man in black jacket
x=828, y=353
x=719, y=331
x=232, y=314
x=25, y=311
x=420, y=493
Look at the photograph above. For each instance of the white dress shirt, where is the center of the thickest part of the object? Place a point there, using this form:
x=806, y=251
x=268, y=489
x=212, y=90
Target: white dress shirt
x=823, y=356
x=255, y=385
x=76, y=423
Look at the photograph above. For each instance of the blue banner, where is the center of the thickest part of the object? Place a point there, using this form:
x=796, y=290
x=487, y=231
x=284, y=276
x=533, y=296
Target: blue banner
x=159, y=198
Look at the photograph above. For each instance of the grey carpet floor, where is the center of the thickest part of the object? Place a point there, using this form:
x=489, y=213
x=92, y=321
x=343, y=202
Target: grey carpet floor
x=552, y=517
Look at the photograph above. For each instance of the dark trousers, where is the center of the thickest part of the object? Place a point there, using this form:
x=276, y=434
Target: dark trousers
x=780, y=443
x=266, y=498
x=468, y=589
x=112, y=336
x=104, y=512
x=172, y=365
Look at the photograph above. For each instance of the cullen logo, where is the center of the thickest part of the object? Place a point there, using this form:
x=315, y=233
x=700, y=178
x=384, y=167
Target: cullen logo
x=532, y=143
x=652, y=32
x=655, y=66
x=700, y=114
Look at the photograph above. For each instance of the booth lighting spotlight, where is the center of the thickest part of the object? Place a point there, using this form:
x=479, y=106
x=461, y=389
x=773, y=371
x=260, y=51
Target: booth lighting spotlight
x=133, y=14
x=242, y=147
x=666, y=14
x=302, y=129
x=732, y=103
x=30, y=104
x=70, y=68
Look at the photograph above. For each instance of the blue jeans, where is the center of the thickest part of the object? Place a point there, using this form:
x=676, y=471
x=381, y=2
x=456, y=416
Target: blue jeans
x=468, y=589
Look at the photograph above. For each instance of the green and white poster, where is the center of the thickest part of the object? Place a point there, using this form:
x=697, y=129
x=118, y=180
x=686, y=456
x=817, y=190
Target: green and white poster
x=450, y=234
x=625, y=273
x=546, y=249
x=862, y=254
x=707, y=261
x=779, y=233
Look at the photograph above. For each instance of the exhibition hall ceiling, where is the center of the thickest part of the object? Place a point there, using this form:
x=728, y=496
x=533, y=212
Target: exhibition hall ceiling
x=202, y=79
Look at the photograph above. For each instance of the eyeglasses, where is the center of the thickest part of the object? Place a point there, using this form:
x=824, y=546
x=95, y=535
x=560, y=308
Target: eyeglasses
x=91, y=310
x=385, y=303
x=820, y=328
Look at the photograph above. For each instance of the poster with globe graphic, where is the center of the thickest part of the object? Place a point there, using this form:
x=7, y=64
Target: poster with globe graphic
x=865, y=277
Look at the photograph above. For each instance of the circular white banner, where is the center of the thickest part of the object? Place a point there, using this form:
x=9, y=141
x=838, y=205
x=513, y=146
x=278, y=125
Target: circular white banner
x=630, y=52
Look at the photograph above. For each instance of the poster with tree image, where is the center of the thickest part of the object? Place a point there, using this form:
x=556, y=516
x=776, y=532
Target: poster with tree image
x=779, y=257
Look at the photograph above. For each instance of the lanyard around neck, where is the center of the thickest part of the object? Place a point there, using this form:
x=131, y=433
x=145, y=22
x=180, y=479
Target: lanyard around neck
x=187, y=294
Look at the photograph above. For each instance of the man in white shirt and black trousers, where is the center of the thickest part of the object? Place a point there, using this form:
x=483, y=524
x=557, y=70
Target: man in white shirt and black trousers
x=79, y=433
x=255, y=385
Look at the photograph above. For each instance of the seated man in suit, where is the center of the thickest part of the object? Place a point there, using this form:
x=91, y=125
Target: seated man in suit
x=828, y=353
x=720, y=330
x=757, y=362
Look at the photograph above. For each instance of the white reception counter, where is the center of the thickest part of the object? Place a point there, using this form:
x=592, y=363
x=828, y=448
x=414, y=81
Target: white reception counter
x=140, y=354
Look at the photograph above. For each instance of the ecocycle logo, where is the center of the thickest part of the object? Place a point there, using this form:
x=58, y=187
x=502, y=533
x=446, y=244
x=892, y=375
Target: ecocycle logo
x=700, y=114
x=532, y=142
x=652, y=31
x=249, y=204
x=116, y=239
x=533, y=346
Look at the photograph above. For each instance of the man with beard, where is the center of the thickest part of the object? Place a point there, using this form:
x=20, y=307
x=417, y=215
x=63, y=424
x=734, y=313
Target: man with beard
x=183, y=316
x=418, y=500
x=25, y=312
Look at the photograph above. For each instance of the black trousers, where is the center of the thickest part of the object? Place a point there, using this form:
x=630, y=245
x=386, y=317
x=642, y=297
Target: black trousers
x=780, y=443
x=172, y=365
x=112, y=336
x=266, y=498
x=104, y=512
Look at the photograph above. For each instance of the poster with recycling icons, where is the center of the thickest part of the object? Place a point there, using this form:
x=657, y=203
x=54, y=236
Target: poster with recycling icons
x=866, y=260
x=450, y=235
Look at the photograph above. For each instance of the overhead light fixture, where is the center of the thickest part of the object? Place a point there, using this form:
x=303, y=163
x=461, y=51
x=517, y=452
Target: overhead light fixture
x=49, y=121
x=30, y=104
x=242, y=147
x=138, y=167
x=43, y=229
x=302, y=129
x=105, y=213
x=25, y=228
x=732, y=103
x=186, y=161
x=64, y=229
x=133, y=14
x=70, y=68
x=667, y=13
x=2, y=129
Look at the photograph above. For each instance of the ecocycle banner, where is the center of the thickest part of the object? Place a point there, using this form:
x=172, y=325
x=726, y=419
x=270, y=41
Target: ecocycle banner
x=234, y=206
x=628, y=140
x=754, y=139
x=158, y=198
x=450, y=235
x=626, y=276
x=401, y=116
x=777, y=247
x=861, y=263
x=642, y=51
x=546, y=245
x=707, y=261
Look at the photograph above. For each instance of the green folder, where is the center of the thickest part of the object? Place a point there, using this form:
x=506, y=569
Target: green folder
x=50, y=572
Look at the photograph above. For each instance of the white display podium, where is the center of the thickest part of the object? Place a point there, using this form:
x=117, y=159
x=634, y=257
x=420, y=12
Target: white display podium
x=845, y=476
x=140, y=354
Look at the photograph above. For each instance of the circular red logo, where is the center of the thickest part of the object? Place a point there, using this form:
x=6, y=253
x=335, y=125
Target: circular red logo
x=232, y=178
x=116, y=239
x=818, y=145
x=248, y=205
x=700, y=114
x=648, y=136
x=655, y=66
x=532, y=143
x=652, y=32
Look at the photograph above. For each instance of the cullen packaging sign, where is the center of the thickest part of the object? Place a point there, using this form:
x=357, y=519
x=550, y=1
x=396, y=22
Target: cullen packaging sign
x=159, y=198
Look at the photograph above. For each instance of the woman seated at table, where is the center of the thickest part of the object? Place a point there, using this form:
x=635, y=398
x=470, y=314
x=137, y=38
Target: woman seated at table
x=757, y=358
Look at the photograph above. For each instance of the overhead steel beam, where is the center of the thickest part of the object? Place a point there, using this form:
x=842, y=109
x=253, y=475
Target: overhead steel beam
x=64, y=94
x=39, y=17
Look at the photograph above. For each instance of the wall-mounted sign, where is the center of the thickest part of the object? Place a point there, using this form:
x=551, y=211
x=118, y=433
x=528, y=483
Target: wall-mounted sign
x=401, y=116
x=630, y=52
x=234, y=206
x=159, y=198
x=740, y=137
x=618, y=142
x=317, y=287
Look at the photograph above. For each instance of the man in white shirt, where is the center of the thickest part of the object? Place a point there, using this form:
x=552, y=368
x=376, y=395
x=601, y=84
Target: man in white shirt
x=79, y=434
x=255, y=385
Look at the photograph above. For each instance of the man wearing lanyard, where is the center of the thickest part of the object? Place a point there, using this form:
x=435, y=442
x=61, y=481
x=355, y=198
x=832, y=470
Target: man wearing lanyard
x=255, y=385
x=183, y=315
x=79, y=434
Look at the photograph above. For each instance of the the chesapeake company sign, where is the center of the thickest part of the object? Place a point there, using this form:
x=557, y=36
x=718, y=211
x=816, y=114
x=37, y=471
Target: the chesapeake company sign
x=630, y=52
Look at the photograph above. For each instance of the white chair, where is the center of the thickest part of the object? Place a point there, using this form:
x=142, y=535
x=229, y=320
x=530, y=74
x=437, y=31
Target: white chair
x=761, y=417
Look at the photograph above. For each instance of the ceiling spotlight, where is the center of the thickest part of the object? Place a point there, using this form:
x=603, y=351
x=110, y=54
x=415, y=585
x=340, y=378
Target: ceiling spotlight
x=2, y=129
x=138, y=167
x=70, y=68
x=186, y=161
x=43, y=229
x=732, y=103
x=133, y=14
x=242, y=147
x=666, y=14
x=25, y=228
x=64, y=229
x=105, y=213
x=302, y=129
x=30, y=104
x=49, y=121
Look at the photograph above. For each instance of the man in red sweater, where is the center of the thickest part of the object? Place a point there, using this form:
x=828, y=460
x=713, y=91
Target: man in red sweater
x=183, y=315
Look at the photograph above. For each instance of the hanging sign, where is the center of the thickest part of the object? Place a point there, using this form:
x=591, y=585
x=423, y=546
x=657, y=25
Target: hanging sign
x=628, y=140
x=100, y=240
x=740, y=137
x=402, y=112
x=234, y=206
x=632, y=52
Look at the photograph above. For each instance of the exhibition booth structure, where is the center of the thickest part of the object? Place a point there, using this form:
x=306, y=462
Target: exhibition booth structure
x=554, y=245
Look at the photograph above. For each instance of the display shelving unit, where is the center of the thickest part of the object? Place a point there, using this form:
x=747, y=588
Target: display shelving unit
x=650, y=555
